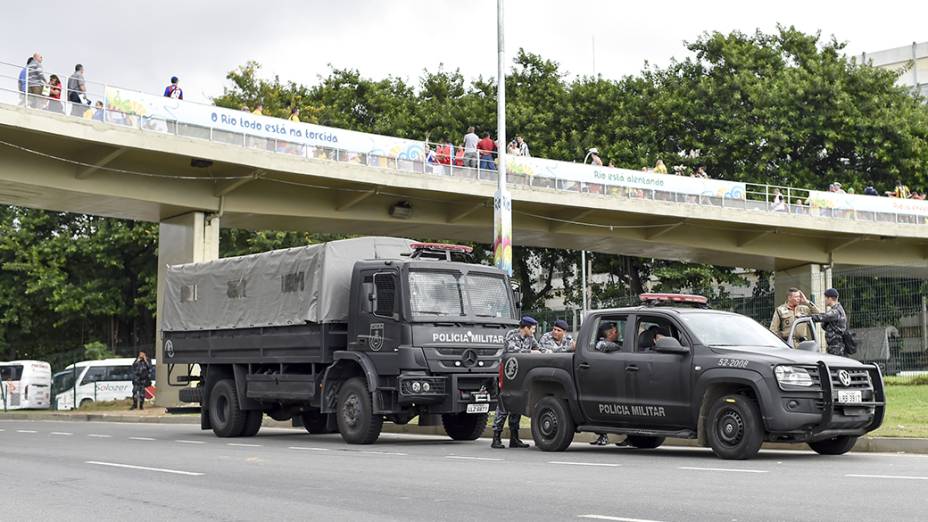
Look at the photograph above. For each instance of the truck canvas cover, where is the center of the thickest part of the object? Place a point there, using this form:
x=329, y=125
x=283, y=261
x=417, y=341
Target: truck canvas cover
x=278, y=288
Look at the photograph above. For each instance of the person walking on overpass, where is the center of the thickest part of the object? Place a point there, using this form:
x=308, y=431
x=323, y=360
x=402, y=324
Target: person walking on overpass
x=77, y=91
x=518, y=340
x=35, y=78
x=470, y=148
x=173, y=90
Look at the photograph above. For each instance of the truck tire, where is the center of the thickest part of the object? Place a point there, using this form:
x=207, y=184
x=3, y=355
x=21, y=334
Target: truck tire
x=225, y=415
x=464, y=426
x=356, y=421
x=552, y=426
x=644, y=441
x=316, y=423
x=734, y=427
x=253, y=419
x=836, y=446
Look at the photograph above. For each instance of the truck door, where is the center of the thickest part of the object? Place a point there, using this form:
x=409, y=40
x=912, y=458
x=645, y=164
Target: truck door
x=377, y=329
x=600, y=373
x=661, y=381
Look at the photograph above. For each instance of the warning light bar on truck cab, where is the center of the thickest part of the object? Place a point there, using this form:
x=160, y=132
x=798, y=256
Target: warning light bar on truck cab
x=440, y=251
x=658, y=298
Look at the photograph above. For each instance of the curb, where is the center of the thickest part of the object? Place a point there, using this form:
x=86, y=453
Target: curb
x=864, y=444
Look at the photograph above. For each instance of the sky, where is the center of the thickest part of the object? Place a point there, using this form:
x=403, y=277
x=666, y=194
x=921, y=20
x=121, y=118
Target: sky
x=140, y=45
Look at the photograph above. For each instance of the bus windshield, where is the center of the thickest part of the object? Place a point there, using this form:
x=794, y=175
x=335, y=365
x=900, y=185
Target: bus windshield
x=11, y=372
x=63, y=381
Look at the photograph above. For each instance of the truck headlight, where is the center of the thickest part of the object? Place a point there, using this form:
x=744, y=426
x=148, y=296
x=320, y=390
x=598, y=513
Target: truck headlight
x=426, y=387
x=416, y=387
x=793, y=376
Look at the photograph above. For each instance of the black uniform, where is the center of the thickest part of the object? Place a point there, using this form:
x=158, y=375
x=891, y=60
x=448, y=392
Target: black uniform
x=141, y=379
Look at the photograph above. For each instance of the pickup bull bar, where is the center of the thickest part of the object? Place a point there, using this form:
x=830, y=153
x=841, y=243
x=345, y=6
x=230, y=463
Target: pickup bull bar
x=878, y=402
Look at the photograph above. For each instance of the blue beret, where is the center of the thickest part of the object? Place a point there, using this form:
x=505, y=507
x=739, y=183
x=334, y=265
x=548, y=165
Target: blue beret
x=831, y=292
x=560, y=323
x=528, y=320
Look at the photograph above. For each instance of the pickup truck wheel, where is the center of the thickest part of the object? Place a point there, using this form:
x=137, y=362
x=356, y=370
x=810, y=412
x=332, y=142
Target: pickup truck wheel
x=644, y=442
x=734, y=427
x=464, y=426
x=552, y=426
x=225, y=415
x=836, y=446
x=315, y=422
x=356, y=421
x=253, y=419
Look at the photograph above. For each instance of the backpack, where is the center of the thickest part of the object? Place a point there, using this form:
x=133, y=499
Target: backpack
x=850, y=342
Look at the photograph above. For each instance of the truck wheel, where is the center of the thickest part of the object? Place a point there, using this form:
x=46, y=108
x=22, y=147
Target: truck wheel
x=552, y=426
x=464, y=426
x=316, y=423
x=225, y=415
x=356, y=421
x=734, y=427
x=836, y=446
x=253, y=420
x=644, y=442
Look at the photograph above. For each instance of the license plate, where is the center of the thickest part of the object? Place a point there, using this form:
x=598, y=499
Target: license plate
x=482, y=397
x=849, y=396
x=478, y=408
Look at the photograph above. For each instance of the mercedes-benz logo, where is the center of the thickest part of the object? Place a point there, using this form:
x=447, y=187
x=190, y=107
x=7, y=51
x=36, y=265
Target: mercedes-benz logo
x=469, y=358
x=844, y=377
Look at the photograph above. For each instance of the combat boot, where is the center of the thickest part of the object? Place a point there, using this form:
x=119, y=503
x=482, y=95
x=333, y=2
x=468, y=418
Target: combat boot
x=497, y=440
x=514, y=441
x=142, y=404
x=135, y=404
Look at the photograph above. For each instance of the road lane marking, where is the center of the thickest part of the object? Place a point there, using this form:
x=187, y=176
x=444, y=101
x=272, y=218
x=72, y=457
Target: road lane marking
x=732, y=470
x=26, y=431
x=141, y=438
x=190, y=442
x=597, y=464
x=143, y=468
x=620, y=519
x=99, y=436
x=243, y=445
x=900, y=477
x=60, y=433
x=307, y=449
x=461, y=457
x=384, y=453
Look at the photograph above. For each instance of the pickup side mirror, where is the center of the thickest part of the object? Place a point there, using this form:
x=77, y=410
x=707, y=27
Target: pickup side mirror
x=670, y=345
x=808, y=346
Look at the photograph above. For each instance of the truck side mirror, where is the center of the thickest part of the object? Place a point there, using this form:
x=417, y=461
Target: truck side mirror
x=517, y=297
x=670, y=345
x=808, y=346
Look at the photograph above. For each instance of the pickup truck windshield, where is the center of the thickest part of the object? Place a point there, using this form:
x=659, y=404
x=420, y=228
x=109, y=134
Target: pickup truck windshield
x=731, y=330
x=453, y=295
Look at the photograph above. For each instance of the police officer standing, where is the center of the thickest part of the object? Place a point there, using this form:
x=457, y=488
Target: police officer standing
x=835, y=322
x=557, y=340
x=141, y=379
x=518, y=340
x=796, y=305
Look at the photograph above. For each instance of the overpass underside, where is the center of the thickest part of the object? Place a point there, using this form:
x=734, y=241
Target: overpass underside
x=90, y=167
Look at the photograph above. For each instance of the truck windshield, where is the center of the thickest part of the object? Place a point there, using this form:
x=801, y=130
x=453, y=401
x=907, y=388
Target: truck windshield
x=730, y=330
x=449, y=294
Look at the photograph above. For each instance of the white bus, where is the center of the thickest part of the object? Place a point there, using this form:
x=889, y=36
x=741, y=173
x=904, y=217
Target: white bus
x=96, y=381
x=25, y=385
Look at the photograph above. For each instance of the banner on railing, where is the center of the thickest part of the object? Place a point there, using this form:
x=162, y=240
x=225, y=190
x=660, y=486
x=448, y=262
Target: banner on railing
x=589, y=174
x=861, y=203
x=158, y=110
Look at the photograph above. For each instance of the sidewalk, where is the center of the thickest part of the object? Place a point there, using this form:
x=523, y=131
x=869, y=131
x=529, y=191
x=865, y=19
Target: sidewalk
x=160, y=416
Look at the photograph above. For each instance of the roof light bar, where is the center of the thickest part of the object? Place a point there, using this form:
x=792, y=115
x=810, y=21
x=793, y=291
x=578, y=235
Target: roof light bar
x=446, y=247
x=674, y=298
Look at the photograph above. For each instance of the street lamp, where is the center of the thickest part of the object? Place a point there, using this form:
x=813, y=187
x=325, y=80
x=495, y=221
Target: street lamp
x=502, y=200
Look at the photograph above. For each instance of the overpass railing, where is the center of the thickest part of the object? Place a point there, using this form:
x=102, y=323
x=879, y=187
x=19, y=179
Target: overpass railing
x=116, y=106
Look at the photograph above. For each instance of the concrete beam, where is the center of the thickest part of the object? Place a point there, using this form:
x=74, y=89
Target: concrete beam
x=234, y=185
x=834, y=246
x=746, y=239
x=458, y=213
x=654, y=233
x=564, y=220
x=354, y=198
x=85, y=172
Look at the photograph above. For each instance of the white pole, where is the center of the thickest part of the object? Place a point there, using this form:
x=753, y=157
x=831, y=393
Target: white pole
x=583, y=284
x=502, y=201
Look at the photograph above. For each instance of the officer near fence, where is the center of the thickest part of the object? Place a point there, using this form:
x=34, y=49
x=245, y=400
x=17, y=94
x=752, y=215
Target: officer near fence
x=141, y=379
x=835, y=322
x=797, y=305
x=518, y=340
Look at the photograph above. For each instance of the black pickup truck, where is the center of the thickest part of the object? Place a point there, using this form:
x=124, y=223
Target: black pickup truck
x=690, y=372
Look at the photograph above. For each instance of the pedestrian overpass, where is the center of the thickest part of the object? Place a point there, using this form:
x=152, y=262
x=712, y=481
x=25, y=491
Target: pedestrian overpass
x=187, y=168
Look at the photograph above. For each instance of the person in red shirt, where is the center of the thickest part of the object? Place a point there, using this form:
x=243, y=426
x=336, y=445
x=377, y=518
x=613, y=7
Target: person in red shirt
x=486, y=147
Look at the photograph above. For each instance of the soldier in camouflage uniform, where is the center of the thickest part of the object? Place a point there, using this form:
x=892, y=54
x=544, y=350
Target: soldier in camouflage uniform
x=796, y=305
x=519, y=340
x=835, y=322
x=141, y=379
x=557, y=340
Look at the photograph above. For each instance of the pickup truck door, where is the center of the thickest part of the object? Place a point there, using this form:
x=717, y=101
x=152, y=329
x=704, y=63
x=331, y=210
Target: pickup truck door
x=662, y=382
x=601, y=376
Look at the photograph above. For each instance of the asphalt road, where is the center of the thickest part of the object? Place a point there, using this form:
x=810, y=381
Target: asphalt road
x=110, y=471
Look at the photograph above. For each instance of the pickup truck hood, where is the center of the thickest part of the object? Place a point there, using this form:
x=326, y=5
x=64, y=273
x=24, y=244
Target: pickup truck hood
x=787, y=356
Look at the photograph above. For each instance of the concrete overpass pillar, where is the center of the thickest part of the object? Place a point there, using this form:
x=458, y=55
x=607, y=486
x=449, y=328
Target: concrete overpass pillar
x=813, y=279
x=188, y=238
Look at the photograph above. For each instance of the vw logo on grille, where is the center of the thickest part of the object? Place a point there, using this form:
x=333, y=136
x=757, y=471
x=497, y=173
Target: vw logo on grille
x=469, y=358
x=844, y=377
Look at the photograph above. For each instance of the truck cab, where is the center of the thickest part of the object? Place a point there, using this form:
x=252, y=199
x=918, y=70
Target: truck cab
x=674, y=368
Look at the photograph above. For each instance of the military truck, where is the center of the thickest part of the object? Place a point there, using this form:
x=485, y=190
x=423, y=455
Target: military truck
x=339, y=336
x=685, y=371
